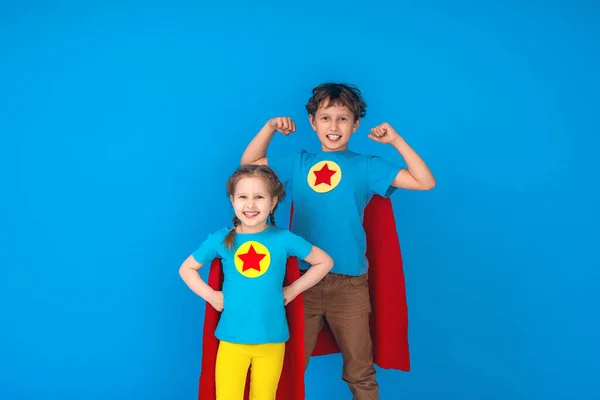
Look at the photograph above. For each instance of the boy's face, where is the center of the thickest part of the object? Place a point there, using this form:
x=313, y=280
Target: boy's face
x=334, y=126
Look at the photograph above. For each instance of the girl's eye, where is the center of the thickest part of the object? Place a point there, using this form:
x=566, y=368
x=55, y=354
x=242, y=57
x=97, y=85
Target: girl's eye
x=259, y=197
x=242, y=197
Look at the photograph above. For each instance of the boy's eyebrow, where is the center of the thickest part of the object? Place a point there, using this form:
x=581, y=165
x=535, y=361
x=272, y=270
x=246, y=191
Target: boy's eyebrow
x=343, y=114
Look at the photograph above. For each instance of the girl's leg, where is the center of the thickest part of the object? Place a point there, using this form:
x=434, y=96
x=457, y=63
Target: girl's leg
x=267, y=363
x=231, y=370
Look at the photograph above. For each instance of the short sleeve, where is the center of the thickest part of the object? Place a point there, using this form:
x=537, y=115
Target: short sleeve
x=209, y=249
x=284, y=166
x=297, y=246
x=380, y=176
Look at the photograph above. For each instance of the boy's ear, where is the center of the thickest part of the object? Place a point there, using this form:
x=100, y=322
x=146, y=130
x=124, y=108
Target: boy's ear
x=311, y=118
x=356, y=125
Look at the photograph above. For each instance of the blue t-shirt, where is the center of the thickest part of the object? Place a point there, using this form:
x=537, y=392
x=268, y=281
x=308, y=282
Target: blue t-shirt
x=253, y=310
x=330, y=193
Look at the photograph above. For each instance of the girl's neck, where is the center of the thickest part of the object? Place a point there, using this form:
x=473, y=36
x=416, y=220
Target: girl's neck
x=251, y=229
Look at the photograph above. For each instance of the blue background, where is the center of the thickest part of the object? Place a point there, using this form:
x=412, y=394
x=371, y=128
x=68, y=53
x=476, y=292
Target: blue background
x=120, y=122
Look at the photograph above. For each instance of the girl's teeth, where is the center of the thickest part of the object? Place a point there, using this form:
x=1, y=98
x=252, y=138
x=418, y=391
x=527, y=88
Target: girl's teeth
x=333, y=137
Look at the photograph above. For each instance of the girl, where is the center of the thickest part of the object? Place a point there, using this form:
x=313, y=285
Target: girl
x=253, y=329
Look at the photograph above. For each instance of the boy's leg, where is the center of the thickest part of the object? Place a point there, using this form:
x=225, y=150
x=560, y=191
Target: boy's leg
x=347, y=313
x=267, y=363
x=231, y=370
x=313, y=318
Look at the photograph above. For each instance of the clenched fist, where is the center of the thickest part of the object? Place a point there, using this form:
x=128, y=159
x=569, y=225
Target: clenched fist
x=284, y=125
x=383, y=133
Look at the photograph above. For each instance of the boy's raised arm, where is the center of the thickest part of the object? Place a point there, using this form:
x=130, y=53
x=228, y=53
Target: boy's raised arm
x=256, y=151
x=418, y=176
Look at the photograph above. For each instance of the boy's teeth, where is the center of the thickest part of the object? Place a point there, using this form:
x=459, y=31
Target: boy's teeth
x=333, y=137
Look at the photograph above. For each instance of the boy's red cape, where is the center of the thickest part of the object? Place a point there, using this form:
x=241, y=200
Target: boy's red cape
x=389, y=317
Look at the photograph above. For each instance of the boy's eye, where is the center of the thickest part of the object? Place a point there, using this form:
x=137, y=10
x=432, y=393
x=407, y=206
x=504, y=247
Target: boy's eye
x=343, y=118
x=324, y=118
x=259, y=197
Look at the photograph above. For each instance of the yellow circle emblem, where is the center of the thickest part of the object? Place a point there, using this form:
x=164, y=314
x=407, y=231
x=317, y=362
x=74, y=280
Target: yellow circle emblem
x=324, y=176
x=252, y=259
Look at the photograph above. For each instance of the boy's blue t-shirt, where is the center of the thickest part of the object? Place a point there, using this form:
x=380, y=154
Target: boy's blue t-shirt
x=330, y=193
x=253, y=311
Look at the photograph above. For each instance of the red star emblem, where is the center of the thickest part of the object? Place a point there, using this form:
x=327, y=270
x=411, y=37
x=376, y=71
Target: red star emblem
x=324, y=175
x=251, y=259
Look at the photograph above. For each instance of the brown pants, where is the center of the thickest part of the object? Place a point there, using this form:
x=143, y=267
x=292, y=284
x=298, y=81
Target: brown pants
x=343, y=301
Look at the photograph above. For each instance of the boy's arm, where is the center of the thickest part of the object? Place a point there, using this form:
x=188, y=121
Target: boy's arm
x=417, y=176
x=256, y=151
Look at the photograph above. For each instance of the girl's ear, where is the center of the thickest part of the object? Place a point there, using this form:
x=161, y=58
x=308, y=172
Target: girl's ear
x=275, y=200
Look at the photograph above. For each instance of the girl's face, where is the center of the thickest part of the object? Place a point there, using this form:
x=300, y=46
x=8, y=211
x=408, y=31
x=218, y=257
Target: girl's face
x=252, y=203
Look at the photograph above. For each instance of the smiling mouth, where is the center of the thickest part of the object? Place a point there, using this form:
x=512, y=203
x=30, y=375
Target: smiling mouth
x=334, y=138
x=251, y=214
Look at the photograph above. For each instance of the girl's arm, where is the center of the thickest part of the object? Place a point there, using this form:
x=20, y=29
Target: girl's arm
x=321, y=264
x=189, y=273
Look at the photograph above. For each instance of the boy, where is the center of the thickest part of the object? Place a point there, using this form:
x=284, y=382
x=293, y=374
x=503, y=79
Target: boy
x=330, y=191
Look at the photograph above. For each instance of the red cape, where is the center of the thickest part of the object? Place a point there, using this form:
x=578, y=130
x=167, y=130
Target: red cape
x=389, y=317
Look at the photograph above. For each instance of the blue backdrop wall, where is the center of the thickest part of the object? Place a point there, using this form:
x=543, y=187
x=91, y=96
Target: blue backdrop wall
x=120, y=122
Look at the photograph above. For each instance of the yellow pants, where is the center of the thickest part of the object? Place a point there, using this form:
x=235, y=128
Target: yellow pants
x=233, y=361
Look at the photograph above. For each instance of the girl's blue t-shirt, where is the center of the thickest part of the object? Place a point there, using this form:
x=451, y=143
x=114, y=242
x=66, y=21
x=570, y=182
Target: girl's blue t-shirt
x=254, y=270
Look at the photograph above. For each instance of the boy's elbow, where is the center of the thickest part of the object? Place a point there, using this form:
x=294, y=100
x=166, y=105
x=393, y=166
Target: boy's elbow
x=245, y=159
x=250, y=161
x=429, y=185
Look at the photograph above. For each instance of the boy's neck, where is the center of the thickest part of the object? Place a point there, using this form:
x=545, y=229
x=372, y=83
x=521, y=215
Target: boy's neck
x=326, y=150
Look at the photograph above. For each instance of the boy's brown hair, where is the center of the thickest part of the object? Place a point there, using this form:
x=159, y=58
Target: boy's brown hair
x=337, y=94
